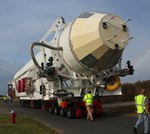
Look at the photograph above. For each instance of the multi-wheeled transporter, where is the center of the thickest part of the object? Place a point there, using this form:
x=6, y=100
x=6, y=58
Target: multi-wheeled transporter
x=72, y=59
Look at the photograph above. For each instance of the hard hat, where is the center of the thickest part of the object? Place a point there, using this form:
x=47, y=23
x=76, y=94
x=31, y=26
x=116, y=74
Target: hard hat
x=12, y=111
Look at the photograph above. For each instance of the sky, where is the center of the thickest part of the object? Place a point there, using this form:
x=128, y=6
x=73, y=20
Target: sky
x=25, y=21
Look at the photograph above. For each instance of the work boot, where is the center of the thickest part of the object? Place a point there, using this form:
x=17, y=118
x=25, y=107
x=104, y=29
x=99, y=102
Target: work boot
x=135, y=130
x=91, y=119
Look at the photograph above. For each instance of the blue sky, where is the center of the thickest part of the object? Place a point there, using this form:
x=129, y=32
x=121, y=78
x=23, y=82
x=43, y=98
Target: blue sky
x=26, y=21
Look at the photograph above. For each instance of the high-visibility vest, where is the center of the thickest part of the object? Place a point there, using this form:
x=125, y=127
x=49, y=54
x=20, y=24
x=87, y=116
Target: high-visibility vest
x=88, y=99
x=59, y=102
x=140, y=103
x=5, y=98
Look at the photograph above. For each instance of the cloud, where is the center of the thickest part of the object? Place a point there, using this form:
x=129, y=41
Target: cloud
x=141, y=66
x=7, y=71
x=136, y=77
x=142, y=62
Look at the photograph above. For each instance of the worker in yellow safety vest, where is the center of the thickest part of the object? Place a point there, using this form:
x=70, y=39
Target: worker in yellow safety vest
x=5, y=99
x=141, y=102
x=59, y=102
x=88, y=99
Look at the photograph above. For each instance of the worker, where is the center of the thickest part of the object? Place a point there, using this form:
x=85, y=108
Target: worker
x=59, y=101
x=141, y=102
x=5, y=98
x=88, y=99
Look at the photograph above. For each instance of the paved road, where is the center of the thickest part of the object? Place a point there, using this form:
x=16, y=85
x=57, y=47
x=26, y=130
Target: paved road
x=108, y=123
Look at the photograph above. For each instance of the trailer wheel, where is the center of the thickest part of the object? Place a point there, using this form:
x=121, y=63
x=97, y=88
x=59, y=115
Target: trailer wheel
x=62, y=112
x=71, y=113
x=51, y=110
x=56, y=111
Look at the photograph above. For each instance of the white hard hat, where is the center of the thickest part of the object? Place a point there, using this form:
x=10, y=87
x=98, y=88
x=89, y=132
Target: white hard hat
x=12, y=111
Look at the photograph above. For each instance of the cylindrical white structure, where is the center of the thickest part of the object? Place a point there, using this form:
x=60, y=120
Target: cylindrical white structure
x=93, y=42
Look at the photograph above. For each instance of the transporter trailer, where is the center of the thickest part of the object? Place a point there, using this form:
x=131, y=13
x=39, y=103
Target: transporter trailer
x=72, y=59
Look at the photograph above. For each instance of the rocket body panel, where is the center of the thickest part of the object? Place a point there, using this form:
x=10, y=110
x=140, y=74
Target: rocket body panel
x=89, y=47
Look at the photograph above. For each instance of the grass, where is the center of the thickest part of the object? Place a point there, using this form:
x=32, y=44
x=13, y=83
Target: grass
x=23, y=125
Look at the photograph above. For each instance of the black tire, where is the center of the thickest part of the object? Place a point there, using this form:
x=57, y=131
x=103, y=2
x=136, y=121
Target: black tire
x=71, y=113
x=62, y=112
x=51, y=110
x=56, y=111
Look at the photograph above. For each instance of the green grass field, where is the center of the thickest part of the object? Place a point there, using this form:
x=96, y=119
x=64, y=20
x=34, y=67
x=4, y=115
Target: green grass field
x=23, y=125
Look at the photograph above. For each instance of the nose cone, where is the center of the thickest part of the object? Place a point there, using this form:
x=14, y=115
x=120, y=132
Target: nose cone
x=94, y=39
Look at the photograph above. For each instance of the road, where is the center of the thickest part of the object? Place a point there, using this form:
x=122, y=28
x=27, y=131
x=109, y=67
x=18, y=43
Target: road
x=108, y=123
